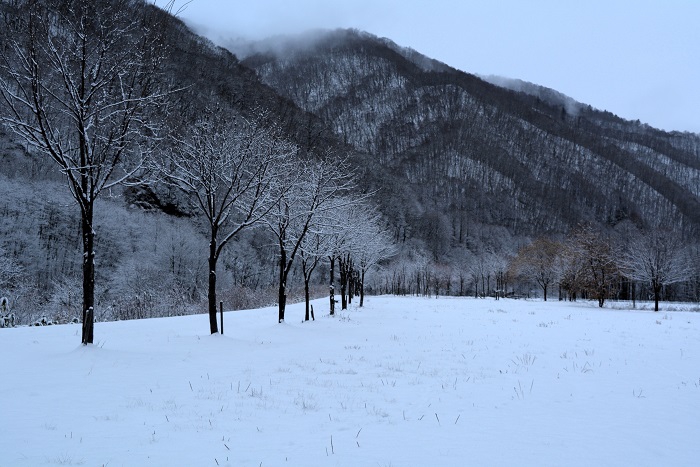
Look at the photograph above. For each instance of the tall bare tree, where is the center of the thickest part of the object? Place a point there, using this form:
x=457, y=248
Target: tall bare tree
x=79, y=82
x=656, y=257
x=310, y=190
x=233, y=172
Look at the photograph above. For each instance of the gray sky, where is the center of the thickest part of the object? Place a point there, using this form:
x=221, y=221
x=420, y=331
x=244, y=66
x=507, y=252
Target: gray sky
x=639, y=59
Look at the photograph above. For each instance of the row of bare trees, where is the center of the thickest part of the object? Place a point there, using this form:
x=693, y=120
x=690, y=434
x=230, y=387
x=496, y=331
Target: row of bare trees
x=593, y=264
x=590, y=263
x=242, y=174
x=82, y=82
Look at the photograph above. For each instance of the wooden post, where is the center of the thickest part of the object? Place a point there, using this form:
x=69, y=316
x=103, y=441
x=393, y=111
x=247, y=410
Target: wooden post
x=221, y=309
x=88, y=325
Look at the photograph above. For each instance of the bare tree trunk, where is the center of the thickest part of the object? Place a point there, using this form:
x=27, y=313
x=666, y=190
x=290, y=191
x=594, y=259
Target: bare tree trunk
x=657, y=294
x=86, y=201
x=307, y=278
x=88, y=276
x=82, y=101
x=362, y=289
x=282, y=292
x=332, y=287
x=308, y=265
x=343, y=264
x=306, y=298
x=211, y=294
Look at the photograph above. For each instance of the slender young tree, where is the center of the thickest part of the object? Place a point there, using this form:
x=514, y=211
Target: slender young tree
x=232, y=171
x=332, y=256
x=377, y=247
x=345, y=265
x=313, y=248
x=330, y=234
x=79, y=82
x=329, y=230
x=478, y=270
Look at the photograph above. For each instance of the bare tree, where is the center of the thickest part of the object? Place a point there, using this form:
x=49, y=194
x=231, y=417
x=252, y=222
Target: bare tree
x=337, y=239
x=329, y=236
x=539, y=261
x=231, y=169
x=499, y=266
x=572, y=274
x=314, y=247
x=344, y=245
x=590, y=255
x=478, y=271
x=78, y=83
x=309, y=191
x=656, y=257
x=365, y=242
x=345, y=268
x=378, y=247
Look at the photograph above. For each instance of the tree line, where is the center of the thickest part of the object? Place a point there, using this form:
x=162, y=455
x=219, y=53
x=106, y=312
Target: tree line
x=626, y=263
x=119, y=94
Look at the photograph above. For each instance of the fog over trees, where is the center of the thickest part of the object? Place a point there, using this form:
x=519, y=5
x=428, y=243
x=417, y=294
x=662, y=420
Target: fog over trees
x=340, y=167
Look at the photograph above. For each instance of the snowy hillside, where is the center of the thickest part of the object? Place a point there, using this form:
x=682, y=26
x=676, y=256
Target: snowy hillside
x=404, y=381
x=514, y=154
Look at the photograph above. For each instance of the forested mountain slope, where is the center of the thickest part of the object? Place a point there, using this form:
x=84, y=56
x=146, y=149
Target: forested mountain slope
x=469, y=152
x=461, y=168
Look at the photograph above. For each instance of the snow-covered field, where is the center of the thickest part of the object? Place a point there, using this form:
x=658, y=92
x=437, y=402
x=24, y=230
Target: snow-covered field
x=402, y=382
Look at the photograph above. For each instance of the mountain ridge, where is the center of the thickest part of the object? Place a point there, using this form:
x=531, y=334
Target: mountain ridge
x=382, y=102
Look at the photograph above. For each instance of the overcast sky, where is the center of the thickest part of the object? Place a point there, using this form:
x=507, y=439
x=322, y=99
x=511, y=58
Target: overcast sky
x=639, y=59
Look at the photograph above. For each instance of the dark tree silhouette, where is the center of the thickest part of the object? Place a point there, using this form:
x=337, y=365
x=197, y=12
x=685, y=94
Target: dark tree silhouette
x=79, y=82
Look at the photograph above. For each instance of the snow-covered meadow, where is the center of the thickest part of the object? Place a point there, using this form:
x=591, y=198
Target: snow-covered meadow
x=401, y=382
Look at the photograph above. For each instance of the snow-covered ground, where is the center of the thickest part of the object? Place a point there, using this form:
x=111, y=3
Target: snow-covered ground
x=402, y=382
